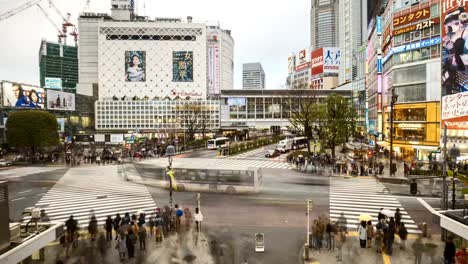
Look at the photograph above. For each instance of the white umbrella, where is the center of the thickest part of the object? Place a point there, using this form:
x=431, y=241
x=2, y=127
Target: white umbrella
x=388, y=213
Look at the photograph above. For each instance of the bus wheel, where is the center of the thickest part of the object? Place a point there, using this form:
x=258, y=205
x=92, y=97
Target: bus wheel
x=231, y=190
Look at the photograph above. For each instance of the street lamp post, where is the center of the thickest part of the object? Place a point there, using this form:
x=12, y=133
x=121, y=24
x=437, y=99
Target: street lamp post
x=392, y=105
x=170, y=151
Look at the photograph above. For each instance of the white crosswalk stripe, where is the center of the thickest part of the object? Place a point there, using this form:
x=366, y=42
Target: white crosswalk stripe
x=256, y=152
x=357, y=196
x=255, y=163
x=100, y=189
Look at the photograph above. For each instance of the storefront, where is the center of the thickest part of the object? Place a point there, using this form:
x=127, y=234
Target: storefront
x=416, y=130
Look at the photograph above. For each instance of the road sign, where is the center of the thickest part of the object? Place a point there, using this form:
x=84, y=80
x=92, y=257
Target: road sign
x=259, y=242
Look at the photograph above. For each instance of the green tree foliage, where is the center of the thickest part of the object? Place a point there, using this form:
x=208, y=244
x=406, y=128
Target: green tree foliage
x=32, y=129
x=338, y=121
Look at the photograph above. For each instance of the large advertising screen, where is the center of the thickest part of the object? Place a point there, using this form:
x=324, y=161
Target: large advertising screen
x=182, y=66
x=455, y=111
x=21, y=95
x=331, y=60
x=302, y=59
x=317, y=61
x=57, y=100
x=135, y=66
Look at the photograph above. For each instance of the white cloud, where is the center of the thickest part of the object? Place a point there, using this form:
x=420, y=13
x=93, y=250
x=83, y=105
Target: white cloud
x=264, y=31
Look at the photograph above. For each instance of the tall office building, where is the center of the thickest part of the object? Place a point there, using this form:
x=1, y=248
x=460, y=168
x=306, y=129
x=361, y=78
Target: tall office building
x=324, y=23
x=253, y=76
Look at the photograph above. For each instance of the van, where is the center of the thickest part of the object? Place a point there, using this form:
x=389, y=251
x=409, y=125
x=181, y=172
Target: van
x=284, y=145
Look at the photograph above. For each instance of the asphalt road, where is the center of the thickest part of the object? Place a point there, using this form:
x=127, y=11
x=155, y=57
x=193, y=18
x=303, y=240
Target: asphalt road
x=26, y=190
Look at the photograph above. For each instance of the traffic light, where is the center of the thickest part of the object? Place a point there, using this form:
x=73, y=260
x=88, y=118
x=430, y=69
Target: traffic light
x=369, y=153
x=310, y=205
x=414, y=187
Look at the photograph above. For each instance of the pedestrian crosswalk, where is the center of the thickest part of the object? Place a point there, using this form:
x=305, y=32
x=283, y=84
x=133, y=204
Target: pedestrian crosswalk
x=356, y=196
x=260, y=153
x=255, y=163
x=100, y=189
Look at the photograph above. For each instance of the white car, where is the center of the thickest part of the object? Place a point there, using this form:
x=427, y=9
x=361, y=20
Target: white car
x=4, y=163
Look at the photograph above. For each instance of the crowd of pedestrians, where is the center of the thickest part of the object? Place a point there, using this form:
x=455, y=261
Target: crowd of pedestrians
x=132, y=229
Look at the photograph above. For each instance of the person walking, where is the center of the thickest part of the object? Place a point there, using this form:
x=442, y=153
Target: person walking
x=329, y=235
x=362, y=232
x=342, y=225
x=397, y=217
x=418, y=248
x=198, y=219
x=116, y=223
x=126, y=219
x=403, y=234
x=108, y=226
x=72, y=226
x=391, y=236
x=179, y=213
x=121, y=246
x=130, y=242
x=188, y=218
x=314, y=230
x=449, y=251
x=151, y=224
x=93, y=228
x=378, y=237
x=142, y=237
x=370, y=233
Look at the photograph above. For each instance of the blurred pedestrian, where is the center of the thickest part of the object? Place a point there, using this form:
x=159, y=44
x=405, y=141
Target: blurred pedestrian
x=362, y=232
x=198, y=219
x=142, y=237
x=102, y=244
x=379, y=237
x=370, y=233
x=121, y=246
x=403, y=234
x=328, y=235
x=343, y=225
x=130, y=242
x=179, y=213
x=93, y=228
x=397, y=217
x=151, y=224
x=449, y=251
x=116, y=223
x=188, y=218
x=418, y=248
x=126, y=219
x=72, y=226
x=108, y=226
x=391, y=236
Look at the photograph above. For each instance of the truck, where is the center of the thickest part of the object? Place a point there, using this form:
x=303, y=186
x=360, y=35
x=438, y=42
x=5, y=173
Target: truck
x=284, y=145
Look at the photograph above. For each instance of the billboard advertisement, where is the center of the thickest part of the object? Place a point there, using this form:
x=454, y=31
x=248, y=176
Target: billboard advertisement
x=302, y=59
x=61, y=124
x=317, y=61
x=21, y=95
x=454, y=56
x=53, y=83
x=413, y=16
x=57, y=100
x=135, y=66
x=331, y=60
x=213, y=69
x=182, y=66
x=455, y=111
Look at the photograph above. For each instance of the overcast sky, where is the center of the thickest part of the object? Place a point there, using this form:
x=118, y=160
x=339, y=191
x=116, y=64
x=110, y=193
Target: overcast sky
x=263, y=30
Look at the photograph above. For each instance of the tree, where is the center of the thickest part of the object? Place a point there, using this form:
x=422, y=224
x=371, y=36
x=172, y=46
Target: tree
x=193, y=117
x=32, y=129
x=305, y=112
x=338, y=122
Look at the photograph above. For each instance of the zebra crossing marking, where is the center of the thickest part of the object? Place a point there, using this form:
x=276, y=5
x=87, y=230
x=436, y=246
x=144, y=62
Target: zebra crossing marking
x=99, y=189
x=355, y=196
x=256, y=163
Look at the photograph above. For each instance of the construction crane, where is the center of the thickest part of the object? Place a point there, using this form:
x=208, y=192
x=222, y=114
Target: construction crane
x=65, y=19
x=17, y=10
x=61, y=35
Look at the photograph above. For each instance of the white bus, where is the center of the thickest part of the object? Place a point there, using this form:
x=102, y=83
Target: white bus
x=215, y=143
x=299, y=142
x=284, y=145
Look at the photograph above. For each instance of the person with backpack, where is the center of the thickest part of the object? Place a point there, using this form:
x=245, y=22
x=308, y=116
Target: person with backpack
x=179, y=214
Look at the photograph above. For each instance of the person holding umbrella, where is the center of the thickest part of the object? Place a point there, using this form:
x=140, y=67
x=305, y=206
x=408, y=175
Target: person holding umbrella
x=362, y=231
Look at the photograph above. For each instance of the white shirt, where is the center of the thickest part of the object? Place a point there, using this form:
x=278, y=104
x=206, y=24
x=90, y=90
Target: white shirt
x=362, y=231
x=198, y=217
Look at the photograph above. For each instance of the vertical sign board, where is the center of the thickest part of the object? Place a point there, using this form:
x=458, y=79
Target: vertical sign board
x=379, y=65
x=454, y=66
x=317, y=61
x=379, y=25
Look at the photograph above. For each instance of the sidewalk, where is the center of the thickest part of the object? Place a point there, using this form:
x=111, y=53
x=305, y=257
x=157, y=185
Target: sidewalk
x=176, y=248
x=431, y=251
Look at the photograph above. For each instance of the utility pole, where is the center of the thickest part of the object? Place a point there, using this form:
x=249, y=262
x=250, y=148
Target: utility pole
x=444, y=178
x=310, y=205
x=392, y=105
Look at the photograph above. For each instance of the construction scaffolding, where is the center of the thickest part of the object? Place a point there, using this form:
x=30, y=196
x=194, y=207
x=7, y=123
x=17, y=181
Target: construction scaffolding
x=58, y=61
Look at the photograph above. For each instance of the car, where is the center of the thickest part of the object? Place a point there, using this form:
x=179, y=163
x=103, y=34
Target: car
x=4, y=163
x=272, y=153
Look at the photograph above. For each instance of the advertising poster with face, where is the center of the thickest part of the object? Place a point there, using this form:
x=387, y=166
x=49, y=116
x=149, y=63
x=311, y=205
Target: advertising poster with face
x=454, y=47
x=135, y=66
x=21, y=95
x=182, y=66
x=57, y=100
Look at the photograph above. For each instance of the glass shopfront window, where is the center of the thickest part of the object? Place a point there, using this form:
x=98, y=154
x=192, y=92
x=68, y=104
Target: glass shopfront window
x=259, y=104
x=410, y=114
x=410, y=132
x=268, y=103
x=251, y=108
x=285, y=108
x=237, y=107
